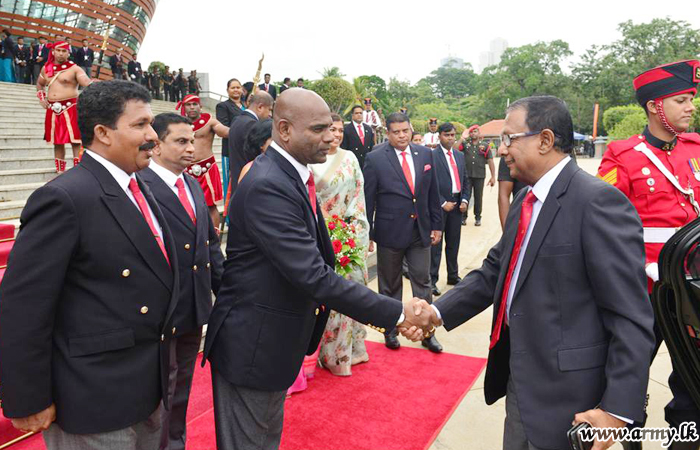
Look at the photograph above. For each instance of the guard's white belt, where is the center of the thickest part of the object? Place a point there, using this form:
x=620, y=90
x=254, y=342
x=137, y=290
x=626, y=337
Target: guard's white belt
x=654, y=235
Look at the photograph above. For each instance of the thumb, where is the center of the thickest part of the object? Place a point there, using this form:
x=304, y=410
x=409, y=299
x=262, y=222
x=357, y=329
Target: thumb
x=417, y=308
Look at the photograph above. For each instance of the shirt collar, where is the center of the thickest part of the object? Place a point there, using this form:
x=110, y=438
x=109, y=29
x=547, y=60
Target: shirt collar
x=444, y=149
x=544, y=184
x=250, y=111
x=303, y=171
x=165, y=174
x=658, y=143
x=122, y=178
x=407, y=150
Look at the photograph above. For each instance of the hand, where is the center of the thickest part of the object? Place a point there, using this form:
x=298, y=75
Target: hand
x=371, y=246
x=463, y=207
x=492, y=181
x=435, y=237
x=420, y=319
x=598, y=418
x=449, y=206
x=44, y=103
x=36, y=422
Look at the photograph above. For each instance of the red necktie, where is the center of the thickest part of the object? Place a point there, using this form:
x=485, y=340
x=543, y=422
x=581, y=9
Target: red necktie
x=143, y=206
x=407, y=171
x=361, y=133
x=312, y=191
x=525, y=216
x=182, y=195
x=453, y=164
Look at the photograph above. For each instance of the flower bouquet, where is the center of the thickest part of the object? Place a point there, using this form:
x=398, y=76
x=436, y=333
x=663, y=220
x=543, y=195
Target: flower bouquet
x=348, y=255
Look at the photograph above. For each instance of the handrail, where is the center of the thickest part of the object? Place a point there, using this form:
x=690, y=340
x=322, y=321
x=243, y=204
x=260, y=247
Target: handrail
x=16, y=440
x=211, y=94
x=7, y=240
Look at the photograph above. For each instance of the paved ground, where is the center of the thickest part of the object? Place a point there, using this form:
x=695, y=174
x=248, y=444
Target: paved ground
x=474, y=425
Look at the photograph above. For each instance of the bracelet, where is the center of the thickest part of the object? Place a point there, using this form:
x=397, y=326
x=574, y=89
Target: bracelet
x=41, y=95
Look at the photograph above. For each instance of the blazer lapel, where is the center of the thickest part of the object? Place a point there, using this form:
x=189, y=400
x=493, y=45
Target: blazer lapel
x=394, y=162
x=200, y=206
x=130, y=219
x=166, y=197
x=549, y=211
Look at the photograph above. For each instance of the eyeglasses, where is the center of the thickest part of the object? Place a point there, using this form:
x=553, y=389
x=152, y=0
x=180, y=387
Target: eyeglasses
x=508, y=139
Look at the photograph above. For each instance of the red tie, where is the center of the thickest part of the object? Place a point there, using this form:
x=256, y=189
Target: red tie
x=143, y=206
x=182, y=195
x=525, y=216
x=453, y=164
x=312, y=191
x=407, y=171
x=361, y=132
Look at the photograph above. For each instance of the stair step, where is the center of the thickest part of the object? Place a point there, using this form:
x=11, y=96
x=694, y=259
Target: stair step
x=26, y=176
x=15, y=192
x=26, y=162
x=11, y=209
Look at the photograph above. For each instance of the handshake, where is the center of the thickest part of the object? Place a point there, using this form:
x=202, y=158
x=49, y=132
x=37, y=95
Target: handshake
x=420, y=320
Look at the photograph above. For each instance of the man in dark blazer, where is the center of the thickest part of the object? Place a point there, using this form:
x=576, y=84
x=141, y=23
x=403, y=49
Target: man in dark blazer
x=358, y=137
x=279, y=284
x=453, y=188
x=181, y=199
x=87, y=327
x=268, y=87
x=134, y=70
x=23, y=56
x=116, y=64
x=40, y=53
x=405, y=218
x=259, y=108
x=85, y=58
x=573, y=327
x=286, y=84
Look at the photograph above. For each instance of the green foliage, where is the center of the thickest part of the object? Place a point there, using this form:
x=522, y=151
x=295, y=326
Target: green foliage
x=337, y=93
x=616, y=114
x=332, y=72
x=158, y=65
x=630, y=125
x=695, y=121
x=455, y=83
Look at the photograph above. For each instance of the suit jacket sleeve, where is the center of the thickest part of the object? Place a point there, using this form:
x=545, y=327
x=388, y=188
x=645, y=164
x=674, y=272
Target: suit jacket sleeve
x=216, y=257
x=613, y=246
x=346, y=140
x=222, y=114
x=30, y=293
x=466, y=183
x=370, y=193
x=277, y=226
x=434, y=198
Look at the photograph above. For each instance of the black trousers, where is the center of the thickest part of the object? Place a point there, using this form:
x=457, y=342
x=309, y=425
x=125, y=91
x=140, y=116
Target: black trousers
x=477, y=187
x=451, y=234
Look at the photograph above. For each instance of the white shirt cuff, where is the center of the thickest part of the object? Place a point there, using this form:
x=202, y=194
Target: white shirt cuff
x=402, y=317
x=624, y=419
x=437, y=312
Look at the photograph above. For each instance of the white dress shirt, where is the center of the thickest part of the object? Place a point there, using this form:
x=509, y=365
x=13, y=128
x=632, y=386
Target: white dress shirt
x=170, y=179
x=122, y=178
x=371, y=118
x=431, y=139
x=303, y=171
x=409, y=158
x=455, y=190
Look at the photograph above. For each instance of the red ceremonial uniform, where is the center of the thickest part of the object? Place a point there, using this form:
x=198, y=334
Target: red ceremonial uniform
x=206, y=171
x=61, y=120
x=658, y=202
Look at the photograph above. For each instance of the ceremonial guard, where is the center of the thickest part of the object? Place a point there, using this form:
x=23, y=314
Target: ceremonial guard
x=477, y=154
x=371, y=118
x=205, y=169
x=61, y=102
x=659, y=171
x=431, y=139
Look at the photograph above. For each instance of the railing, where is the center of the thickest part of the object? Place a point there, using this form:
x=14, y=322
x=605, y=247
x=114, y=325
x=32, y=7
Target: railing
x=214, y=95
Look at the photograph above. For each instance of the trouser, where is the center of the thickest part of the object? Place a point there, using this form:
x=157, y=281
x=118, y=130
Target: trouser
x=389, y=262
x=514, y=437
x=477, y=187
x=452, y=228
x=118, y=75
x=88, y=70
x=246, y=419
x=140, y=436
x=182, y=364
x=36, y=71
x=21, y=74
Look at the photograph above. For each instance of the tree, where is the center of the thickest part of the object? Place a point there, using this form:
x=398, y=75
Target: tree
x=158, y=65
x=613, y=116
x=455, y=83
x=337, y=92
x=629, y=126
x=332, y=72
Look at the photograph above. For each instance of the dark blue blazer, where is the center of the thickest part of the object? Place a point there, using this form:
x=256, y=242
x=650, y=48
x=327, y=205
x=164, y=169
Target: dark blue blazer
x=279, y=282
x=197, y=246
x=392, y=210
x=442, y=168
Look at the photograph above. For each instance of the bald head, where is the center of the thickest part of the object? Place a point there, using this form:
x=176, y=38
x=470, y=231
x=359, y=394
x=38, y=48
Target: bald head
x=261, y=98
x=302, y=125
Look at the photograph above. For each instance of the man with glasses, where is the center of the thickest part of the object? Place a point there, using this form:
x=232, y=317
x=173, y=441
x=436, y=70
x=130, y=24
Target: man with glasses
x=404, y=214
x=659, y=172
x=573, y=328
x=477, y=154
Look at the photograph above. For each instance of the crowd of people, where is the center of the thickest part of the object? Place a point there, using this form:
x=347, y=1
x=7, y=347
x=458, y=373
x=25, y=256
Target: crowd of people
x=99, y=346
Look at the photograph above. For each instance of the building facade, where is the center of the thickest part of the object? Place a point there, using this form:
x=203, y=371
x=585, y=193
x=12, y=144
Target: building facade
x=114, y=23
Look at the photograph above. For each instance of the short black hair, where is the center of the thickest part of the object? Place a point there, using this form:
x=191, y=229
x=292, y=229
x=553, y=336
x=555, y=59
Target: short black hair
x=267, y=75
x=257, y=136
x=336, y=117
x=352, y=111
x=546, y=112
x=415, y=133
x=445, y=127
x=162, y=123
x=396, y=117
x=104, y=102
x=287, y=80
x=228, y=84
x=84, y=40
x=301, y=79
x=248, y=86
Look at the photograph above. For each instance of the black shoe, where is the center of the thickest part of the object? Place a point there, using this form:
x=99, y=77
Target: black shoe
x=432, y=344
x=405, y=275
x=453, y=281
x=464, y=222
x=391, y=340
x=436, y=291
x=477, y=223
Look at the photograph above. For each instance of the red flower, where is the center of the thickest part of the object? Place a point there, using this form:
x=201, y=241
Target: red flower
x=344, y=261
x=331, y=226
x=335, y=216
x=351, y=243
x=343, y=224
x=337, y=246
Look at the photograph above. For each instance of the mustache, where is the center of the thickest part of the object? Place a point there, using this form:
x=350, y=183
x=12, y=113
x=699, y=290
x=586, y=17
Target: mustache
x=147, y=146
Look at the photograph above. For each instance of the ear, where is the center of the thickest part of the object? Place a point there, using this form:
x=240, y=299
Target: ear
x=546, y=141
x=103, y=135
x=651, y=107
x=284, y=129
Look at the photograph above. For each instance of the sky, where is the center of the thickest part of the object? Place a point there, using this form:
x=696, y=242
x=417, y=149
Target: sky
x=400, y=38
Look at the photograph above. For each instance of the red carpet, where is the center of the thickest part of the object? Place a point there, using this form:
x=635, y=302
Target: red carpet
x=400, y=400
